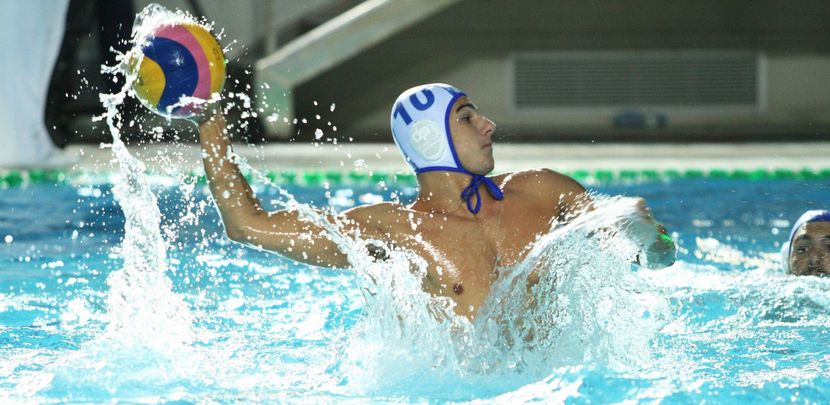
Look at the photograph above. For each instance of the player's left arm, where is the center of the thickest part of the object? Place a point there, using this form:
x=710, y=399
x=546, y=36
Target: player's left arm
x=657, y=250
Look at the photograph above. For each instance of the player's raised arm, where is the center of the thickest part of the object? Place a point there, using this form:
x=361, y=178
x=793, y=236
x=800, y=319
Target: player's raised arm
x=245, y=221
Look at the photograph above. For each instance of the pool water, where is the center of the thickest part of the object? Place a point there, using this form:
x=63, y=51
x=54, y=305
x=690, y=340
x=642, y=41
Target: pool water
x=230, y=323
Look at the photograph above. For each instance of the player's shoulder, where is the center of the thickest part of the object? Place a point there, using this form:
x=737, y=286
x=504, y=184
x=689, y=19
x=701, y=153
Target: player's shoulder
x=544, y=191
x=379, y=216
x=377, y=210
x=540, y=180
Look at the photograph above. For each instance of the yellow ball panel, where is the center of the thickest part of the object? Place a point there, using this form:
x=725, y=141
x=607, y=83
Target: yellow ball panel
x=150, y=83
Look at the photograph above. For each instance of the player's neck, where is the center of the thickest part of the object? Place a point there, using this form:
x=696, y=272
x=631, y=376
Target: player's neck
x=440, y=191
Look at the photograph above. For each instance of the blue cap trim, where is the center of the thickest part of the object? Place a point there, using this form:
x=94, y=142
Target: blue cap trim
x=448, y=133
x=441, y=169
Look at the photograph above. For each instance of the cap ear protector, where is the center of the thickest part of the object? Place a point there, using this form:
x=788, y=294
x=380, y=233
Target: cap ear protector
x=420, y=121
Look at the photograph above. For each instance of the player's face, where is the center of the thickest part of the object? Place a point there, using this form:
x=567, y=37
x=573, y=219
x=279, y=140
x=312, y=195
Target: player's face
x=810, y=250
x=472, y=136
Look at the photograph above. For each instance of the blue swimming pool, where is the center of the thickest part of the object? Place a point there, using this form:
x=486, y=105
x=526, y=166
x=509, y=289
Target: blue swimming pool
x=228, y=323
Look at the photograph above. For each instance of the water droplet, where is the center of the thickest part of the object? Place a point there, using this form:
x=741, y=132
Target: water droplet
x=9, y=239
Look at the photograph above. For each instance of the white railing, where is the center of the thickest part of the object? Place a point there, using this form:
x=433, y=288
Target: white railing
x=333, y=42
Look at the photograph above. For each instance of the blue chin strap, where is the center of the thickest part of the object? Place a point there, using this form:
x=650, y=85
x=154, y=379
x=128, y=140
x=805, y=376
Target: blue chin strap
x=472, y=190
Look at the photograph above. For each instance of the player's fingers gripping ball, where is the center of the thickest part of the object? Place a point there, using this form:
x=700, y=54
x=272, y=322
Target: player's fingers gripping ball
x=182, y=67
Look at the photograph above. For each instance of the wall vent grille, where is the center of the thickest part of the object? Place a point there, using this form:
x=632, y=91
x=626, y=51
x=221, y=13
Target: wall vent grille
x=636, y=79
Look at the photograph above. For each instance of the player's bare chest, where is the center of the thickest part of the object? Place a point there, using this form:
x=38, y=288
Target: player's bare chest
x=461, y=254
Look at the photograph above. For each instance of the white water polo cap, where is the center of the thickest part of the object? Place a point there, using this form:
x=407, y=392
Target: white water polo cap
x=421, y=128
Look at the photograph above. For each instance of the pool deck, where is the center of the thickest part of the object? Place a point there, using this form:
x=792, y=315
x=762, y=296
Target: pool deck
x=562, y=157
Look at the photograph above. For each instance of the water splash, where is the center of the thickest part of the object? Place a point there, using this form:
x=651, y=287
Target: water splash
x=142, y=306
x=148, y=340
x=588, y=308
x=588, y=305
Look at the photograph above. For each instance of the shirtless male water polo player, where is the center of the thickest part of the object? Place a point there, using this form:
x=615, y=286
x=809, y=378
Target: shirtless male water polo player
x=473, y=224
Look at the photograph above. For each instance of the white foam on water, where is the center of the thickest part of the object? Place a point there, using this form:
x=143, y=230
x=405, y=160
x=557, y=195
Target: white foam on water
x=141, y=306
x=588, y=308
x=149, y=329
